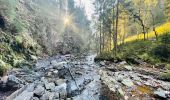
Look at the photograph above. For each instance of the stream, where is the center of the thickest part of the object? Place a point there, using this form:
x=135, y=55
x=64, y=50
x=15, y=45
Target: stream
x=70, y=77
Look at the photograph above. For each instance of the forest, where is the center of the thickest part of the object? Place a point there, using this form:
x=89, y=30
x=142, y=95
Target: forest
x=84, y=49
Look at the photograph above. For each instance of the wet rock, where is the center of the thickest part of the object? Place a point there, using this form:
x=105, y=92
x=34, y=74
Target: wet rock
x=60, y=82
x=55, y=72
x=49, y=74
x=13, y=81
x=63, y=94
x=45, y=97
x=56, y=95
x=30, y=87
x=44, y=80
x=161, y=93
x=39, y=91
x=50, y=86
x=51, y=96
x=25, y=95
x=128, y=67
x=79, y=72
x=60, y=87
x=127, y=82
x=121, y=92
x=35, y=98
x=123, y=63
x=42, y=64
x=33, y=57
x=120, y=78
x=60, y=65
x=102, y=63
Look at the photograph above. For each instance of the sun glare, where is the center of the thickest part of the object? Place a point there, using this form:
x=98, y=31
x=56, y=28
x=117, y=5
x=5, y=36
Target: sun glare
x=67, y=20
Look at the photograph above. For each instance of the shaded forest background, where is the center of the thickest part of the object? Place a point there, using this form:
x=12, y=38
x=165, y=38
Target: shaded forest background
x=31, y=28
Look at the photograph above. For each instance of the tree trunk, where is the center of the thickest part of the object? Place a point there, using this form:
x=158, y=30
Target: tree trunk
x=117, y=22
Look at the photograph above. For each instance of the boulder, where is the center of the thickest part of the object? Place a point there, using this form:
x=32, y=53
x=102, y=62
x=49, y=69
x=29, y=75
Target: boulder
x=50, y=86
x=60, y=82
x=160, y=93
x=45, y=97
x=56, y=95
x=25, y=95
x=128, y=67
x=31, y=87
x=39, y=91
x=127, y=82
x=121, y=92
x=63, y=94
x=13, y=81
x=61, y=87
x=123, y=63
x=60, y=65
x=35, y=98
x=102, y=63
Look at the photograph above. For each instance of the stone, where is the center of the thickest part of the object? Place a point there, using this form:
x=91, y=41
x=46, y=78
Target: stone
x=39, y=91
x=13, y=81
x=128, y=67
x=49, y=74
x=44, y=80
x=60, y=81
x=33, y=57
x=51, y=96
x=102, y=63
x=121, y=92
x=120, y=78
x=50, y=86
x=161, y=93
x=60, y=65
x=123, y=63
x=42, y=64
x=63, y=94
x=45, y=97
x=55, y=72
x=35, y=98
x=25, y=95
x=127, y=82
x=56, y=95
x=62, y=86
x=31, y=87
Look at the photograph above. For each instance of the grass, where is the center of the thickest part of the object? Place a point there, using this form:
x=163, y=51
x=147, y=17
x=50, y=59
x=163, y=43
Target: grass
x=151, y=51
x=161, y=30
x=165, y=76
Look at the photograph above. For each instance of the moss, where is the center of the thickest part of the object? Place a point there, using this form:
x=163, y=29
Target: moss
x=167, y=66
x=3, y=68
x=19, y=39
x=166, y=76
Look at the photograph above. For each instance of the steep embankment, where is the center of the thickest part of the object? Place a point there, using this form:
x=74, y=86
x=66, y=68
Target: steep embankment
x=26, y=29
x=161, y=30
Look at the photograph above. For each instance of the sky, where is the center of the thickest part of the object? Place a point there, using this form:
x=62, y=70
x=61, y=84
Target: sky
x=88, y=6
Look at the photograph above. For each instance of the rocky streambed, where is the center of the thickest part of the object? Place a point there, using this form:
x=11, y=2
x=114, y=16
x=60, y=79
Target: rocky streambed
x=72, y=77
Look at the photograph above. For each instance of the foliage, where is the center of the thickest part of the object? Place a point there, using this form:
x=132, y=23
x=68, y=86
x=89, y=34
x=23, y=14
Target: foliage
x=149, y=51
x=3, y=68
x=165, y=76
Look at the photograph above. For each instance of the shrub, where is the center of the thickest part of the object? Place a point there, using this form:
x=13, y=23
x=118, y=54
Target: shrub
x=3, y=68
x=166, y=76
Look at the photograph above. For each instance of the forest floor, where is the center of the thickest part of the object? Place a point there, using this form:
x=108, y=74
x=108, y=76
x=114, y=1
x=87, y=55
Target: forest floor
x=71, y=77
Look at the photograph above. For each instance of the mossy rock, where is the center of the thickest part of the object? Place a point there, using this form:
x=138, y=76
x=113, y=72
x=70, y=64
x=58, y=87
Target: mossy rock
x=19, y=39
x=4, y=67
x=167, y=66
x=165, y=76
